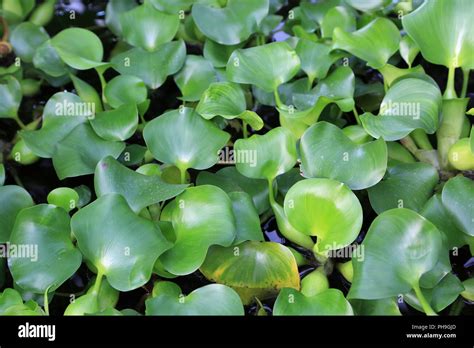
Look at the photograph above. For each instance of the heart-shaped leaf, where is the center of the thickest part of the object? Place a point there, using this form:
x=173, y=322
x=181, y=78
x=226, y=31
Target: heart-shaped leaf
x=184, y=139
x=399, y=248
x=266, y=67
x=227, y=99
x=152, y=67
x=406, y=185
x=213, y=299
x=53, y=259
x=337, y=17
x=147, y=28
x=80, y=151
x=253, y=269
x=375, y=43
x=12, y=200
x=125, y=89
x=10, y=97
x=239, y=19
x=324, y=208
x=26, y=38
x=120, y=245
x=453, y=47
x=195, y=77
x=62, y=113
x=328, y=302
x=139, y=190
x=79, y=48
x=116, y=125
x=266, y=156
x=326, y=152
x=195, y=233
x=457, y=198
x=409, y=104
x=247, y=222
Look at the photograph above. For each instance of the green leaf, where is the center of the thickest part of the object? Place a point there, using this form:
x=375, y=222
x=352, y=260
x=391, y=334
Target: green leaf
x=147, y=28
x=218, y=54
x=253, y=269
x=80, y=151
x=384, y=306
x=457, y=199
x=247, y=221
x=196, y=232
x=12, y=200
x=87, y=93
x=184, y=139
x=11, y=303
x=230, y=180
x=227, y=99
x=47, y=59
x=213, y=299
x=112, y=14
x=367, y=5
x=62, y=113
x=237, y=20
x=375, y=43
x=116, y=125
x=337, y=17
x=408, y=49
x=64, y=197
x=172, y=7
x=120, y=245
x=449, y=40
x=139, y=190
x=53, y=258
x=2, y=174
x=266, y=67
x=409, y=104
x=25, y=38
x=79, y=48
x=329, y=302
x=316, y=58
x=125, y=89
x=152, y=67
x=10, y=97
x=399, y=248
x=326, y=152
x=195, y=77
x=266, y=156
x=406, y=185
x=324, y=208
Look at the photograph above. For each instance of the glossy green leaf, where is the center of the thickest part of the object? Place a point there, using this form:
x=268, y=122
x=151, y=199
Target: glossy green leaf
x=238, y=20
x=227, y=99
x=26, y=38
x=324, y=208
x=315, y=282
x=367, y=5
x=406, y=185
x=79, y=48
x=139, y=190
x=62, y=113
x=230, y=180
x=399, y=248
x=112, y=14
x=87, y=93
x=12, y=200
x=457, y=198
x=326, y=152
x=120, y=245
x=47, y=59
x=64, y=197
x=448, y=40
x=116, y=125
x=147, y=28
x=125, y=89
x=11, y=303
x=408, y=49
x=53, y=258
x=172, y=7
x=196, y=232
x=329, y=302
x=184, y=139
x=253, y=269
x=10, y=97
x=337, y=17
x=152, y=67
x=266, y=156
x=218, y=54
x=384, y=306
x=266, y=67
x=375, y=43
x=247, y=221
x=213, y=299
x=80, y=151
x=409, y=104
x=195, y=77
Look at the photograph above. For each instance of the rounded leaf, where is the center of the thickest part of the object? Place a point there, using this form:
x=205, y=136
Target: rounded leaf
x=64, y=197
x=457, y=198
x=12, y=200
x=195, y=77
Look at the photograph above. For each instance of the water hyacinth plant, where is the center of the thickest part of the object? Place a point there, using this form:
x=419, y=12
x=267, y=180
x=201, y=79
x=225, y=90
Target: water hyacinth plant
x=236, y=157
